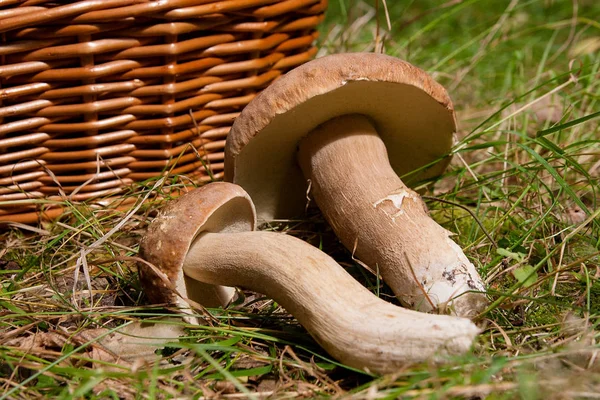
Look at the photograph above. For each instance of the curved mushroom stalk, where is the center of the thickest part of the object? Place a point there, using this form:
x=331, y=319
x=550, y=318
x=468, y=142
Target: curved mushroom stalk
x=371, y=209
x=351, y=323
x=353, y=164
x=347, y=320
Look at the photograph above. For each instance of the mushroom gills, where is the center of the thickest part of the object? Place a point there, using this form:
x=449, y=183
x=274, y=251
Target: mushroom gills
x=346, y=319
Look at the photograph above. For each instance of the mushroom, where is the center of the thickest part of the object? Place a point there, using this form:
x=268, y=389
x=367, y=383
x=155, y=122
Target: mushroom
x=360, y=121
x=170, y=285
x=346, y=319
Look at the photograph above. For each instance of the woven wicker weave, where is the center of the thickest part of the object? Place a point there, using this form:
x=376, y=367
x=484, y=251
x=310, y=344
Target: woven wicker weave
x=98, y=94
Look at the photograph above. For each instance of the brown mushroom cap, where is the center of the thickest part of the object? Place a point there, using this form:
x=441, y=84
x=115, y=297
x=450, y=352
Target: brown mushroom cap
x=169, y=237
x=411, y=112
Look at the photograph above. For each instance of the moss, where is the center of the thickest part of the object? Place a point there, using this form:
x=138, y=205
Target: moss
x=543, y=314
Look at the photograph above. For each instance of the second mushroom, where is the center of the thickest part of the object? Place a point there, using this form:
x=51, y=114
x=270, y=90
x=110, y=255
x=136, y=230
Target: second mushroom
x=347, y=320
x=342, y=129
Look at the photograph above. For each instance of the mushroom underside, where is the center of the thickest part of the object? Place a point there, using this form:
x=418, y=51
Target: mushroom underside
x=418, y=132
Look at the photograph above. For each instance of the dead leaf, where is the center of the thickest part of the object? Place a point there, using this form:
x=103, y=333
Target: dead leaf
x=7, y=265
x=125, y=392
x=584, y=47
x=139, y=341
x=224, y=387
x=103, y=295
x=548, y=109
x=134, y=345
x=267, y=385
x=574, y=215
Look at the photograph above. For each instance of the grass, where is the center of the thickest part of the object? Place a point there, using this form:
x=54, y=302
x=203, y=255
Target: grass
x=524, y=77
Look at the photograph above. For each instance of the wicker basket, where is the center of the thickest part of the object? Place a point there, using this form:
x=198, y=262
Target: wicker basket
x=96, y=95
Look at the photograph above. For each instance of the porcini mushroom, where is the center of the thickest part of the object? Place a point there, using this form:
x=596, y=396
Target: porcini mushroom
x=349, y=322
x=174, y=287
x=360, y=121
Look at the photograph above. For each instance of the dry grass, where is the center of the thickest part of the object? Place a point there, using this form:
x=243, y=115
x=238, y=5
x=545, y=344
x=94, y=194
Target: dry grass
x=524, y=79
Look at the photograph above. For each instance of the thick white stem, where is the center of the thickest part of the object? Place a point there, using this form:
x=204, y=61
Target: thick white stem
x=373, y=212
x=348, y=321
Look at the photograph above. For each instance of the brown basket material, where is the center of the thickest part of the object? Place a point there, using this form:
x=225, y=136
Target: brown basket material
x=98, y=94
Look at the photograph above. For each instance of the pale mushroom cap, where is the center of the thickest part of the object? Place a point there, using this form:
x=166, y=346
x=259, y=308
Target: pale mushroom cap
x=215, y=207
x=412, y=113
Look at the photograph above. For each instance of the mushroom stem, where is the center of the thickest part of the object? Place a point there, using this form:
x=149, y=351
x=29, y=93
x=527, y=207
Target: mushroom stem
x=385, y=223
x=347, y=320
